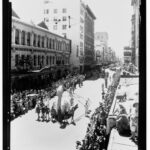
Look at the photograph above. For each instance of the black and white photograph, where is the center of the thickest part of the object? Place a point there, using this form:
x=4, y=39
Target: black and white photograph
x=74, y=75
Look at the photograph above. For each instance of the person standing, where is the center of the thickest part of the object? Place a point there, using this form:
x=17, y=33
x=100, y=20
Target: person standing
x=86, y=107
x=106, y=80
x=38, y=111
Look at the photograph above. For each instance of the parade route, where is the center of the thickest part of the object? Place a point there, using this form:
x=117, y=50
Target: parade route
x=28, y=134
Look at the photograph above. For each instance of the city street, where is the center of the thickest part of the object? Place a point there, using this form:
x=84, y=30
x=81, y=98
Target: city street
x=28, y=134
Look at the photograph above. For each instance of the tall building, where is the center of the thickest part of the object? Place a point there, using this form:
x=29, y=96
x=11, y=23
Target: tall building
x=89, y=54
x=101, y=46
x=74, y=20
x=135, y=31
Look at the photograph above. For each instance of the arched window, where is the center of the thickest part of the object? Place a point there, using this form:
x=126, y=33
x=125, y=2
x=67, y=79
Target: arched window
x=47, y=43
x=50, y=60
x=17, y=37
x=43, y=41
x=39, y=60
x=42, y=60
x=39, y=40
x=23, y=37
x=16, y=59
x=46, y=60
x=50, y=44
x=34, y=40
x=53, y=44
x=34, y=60
x=28, y=38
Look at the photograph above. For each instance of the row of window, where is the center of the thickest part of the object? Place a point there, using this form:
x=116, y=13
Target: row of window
x=39, y=60
x=64, y=18
x=46, y=11
x=39, y=41
x=64, y=27
x=64, y=10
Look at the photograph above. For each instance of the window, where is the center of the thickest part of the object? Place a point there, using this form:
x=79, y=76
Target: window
x=50, y=44
x=43, y=42
x=34, y=40
x=16, y=59
x=17, y=36
x=55, y=11
x=81, y=20
x=64, y=10
x=39, y=41
x=47, y=11
x=81, y=36
x=23, y=38
x=64, y=18
x=81, y=44
x=81, y=51
x=28, y=38
x=56, y=44
x=55, y=27
x=50, y=59
x=64, y=27
x=38, y=60
x=34, y=60
x=46, y=20
x=42, y=60
x=53, y=44
x=46, y=1
x=46, y=60
x=81, y=29
x=47, y=43
x=81, y=11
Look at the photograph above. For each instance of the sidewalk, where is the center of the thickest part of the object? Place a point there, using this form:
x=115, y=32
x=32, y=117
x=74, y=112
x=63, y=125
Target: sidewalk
x=117, y=142
x=130, y=86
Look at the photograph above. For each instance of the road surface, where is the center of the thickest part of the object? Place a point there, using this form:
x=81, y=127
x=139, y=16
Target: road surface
x=29, y=134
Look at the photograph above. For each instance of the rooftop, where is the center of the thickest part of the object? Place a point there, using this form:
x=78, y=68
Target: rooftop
x=14, y=14
x=43, y=25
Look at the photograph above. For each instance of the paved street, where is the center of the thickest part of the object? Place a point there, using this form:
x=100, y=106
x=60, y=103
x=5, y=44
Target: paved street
x=28, y=134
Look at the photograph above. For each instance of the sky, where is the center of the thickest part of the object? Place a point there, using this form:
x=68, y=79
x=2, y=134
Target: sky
x=112, y=16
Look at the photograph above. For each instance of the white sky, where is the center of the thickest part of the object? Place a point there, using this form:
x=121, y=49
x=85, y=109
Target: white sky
x=113, y=16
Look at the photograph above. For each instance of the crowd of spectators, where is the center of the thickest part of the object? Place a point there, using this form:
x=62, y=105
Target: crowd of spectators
x=96, y=137
x=23, y=101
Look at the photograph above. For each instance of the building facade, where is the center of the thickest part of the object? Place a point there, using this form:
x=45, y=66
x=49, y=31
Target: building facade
x=103, y=53
x=135, y=31
x=101, y=40
x=89, y=55
x=67, y=18
x=34, y=47
x=127, y=55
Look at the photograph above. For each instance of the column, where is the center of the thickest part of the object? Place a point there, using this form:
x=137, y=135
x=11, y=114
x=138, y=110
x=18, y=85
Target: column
x=36, y=41
x=40, y=41
x=13, y=34
x=31, y=38
x=25, y=38
x=45, y=41
x=19, y=37
x=54, y=60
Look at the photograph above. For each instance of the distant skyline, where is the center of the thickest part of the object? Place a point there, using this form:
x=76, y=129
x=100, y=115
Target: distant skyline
x=112, y=16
